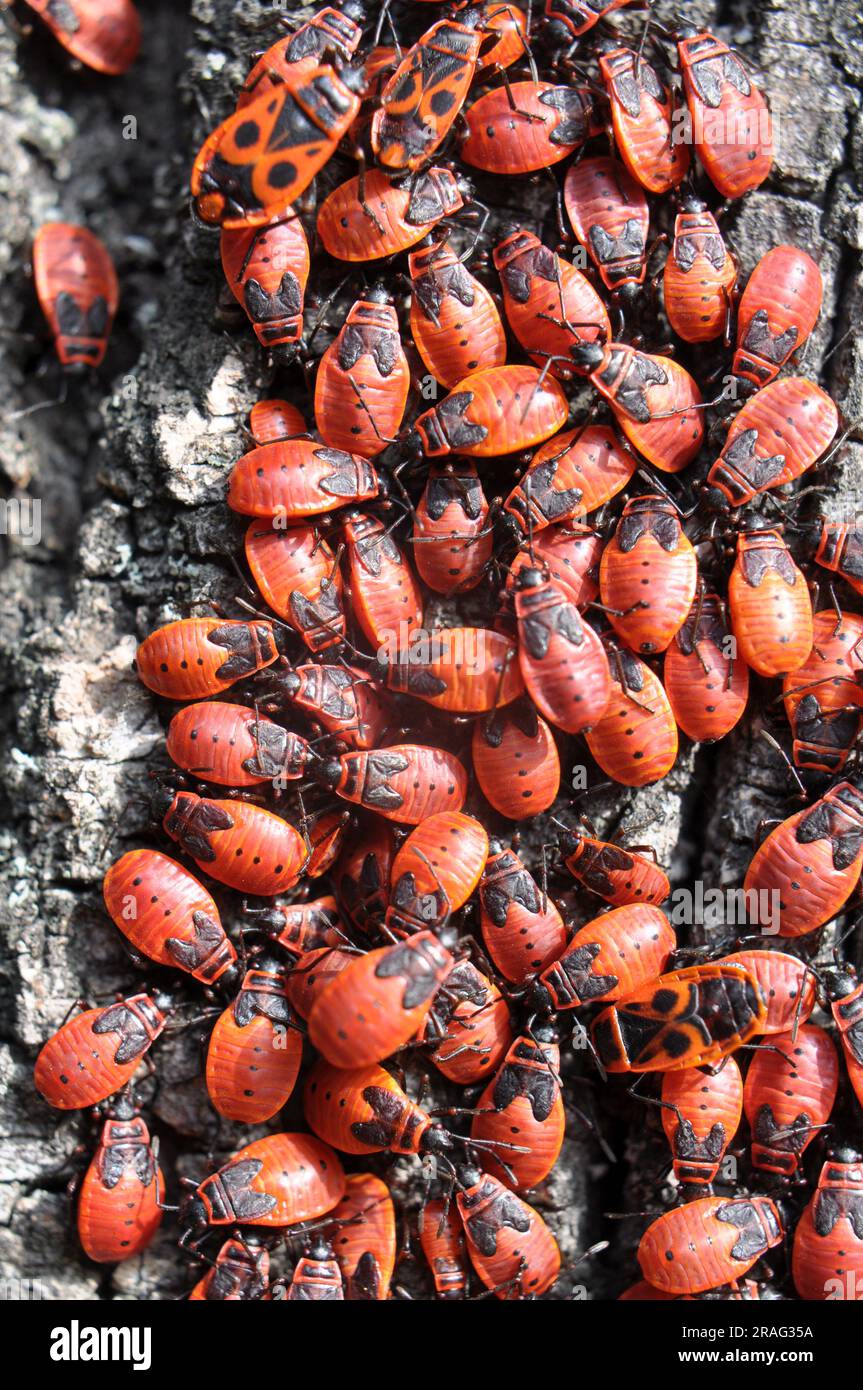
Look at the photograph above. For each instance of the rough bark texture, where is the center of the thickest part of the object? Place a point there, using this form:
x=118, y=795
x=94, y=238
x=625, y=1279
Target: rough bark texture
x=130, y=474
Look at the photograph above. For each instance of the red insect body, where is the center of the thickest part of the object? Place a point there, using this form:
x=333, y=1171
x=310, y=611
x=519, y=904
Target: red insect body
x=522, y=932
x=550, y=306
x=611, y=957
x=731, y=125
x=167, y=914
x=255, y=1052
x=688, y=1018
x=777, y=312
x=363, y=874
x=811, y=863
x=641, y=111
x=468, y=670
x=510, y=24
x=240, y=1273
x=840, y=549
x=379, y=1001
x=97, y=1052
x=272, y=420
x=635, y=743
x=363, y=1110
x=827, y=1260
x=454, y=321
x=406, y=783
x=516, y=762
x=363, y=378
x=119, y=1204
x=452, y=540
x=328, y=31
x=279, y=1180
x=577, y=16
x=526, y=126
x=654, y=401
x=266, y=269
x=498, y=410
x=292, y=479
x=342, y=699
x=327, y=831
x=789, y=1095
x=771, y=612
x=823, y=699
x=313, y=974
x=238, y=843
x=510, y=1246
x=385, y=596
x=648, y=575
x=435, y=872
x=258, y=161
x=468, y=1029
x=297, y=574
x=77, y=288
x=705, y=1113
x=707, y=1243
x=619, y=875
x=102, y=34
x=401, y=214
x=572, y=474
x=610, y=218
x=780, y=433
x=571, y=554
x=443, y=1244
x=562, y=660
x=196, y=657
x=364, y=1238
x=706, y=687
x=523, y=1105
x=317, y=1277
x=425, y=94
x=699, y=276
x=846, y=1004
x=781, y=980
x=233, y=746
x=302, y=927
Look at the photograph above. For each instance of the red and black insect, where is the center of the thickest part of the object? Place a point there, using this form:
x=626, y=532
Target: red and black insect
x=362, y=875
x=550, y=306
x=301, y=927
x=571, y=555
x=76, y=284
x=452, y=538
x=572, y=474
x=845, y=993
x=238, y=843
x=789, y=1094
x=516, y=762
x=97, y=1052
x=468, y=1029
x=266, y=269
x=731, y=125
x=455, y=324
x=701, y=1114
x=273, y=420
x=787, y=987
x=610, y=218
x=562, y=660
x=823, y=698
x=363, y=378
x=362, y=1110
x=642, y=112
x=497, y=410
x=330, y=30
x=317, y=1277
x=275, y=1181
x=700, y=276
x=689, y=1018
x=768, y=598
x=840, y=550
x=777, y=312
x=707, y=1243
x=635, y=743
x=509, y=24
x=510, y=1246
x=234, y=746
x=523, y=1105
x=379, y=1000
x=827, y=1259
x=707, y=686
x=648, y=575
x=776, y=437
x=240, y=1273
x=315, y=972
x=522, y=929
x=255, y=1048
x=363, y=1237
x=611, y=957
x=258, y=161
x=386, y=599
x=369, y=217
x=435, y=872
x=345, y=701
x=443, y=1244
x=167, y=915
x=291, y=479
x=577, y=16
x=468, y=670
x=811, y=862
x=406, y=782
x=121, y=1196
x=419, y=103
x=196, y=657
x=102, y=34
x=525, y=126
x=621, y=876
x=299, y=578
x=655, y=401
